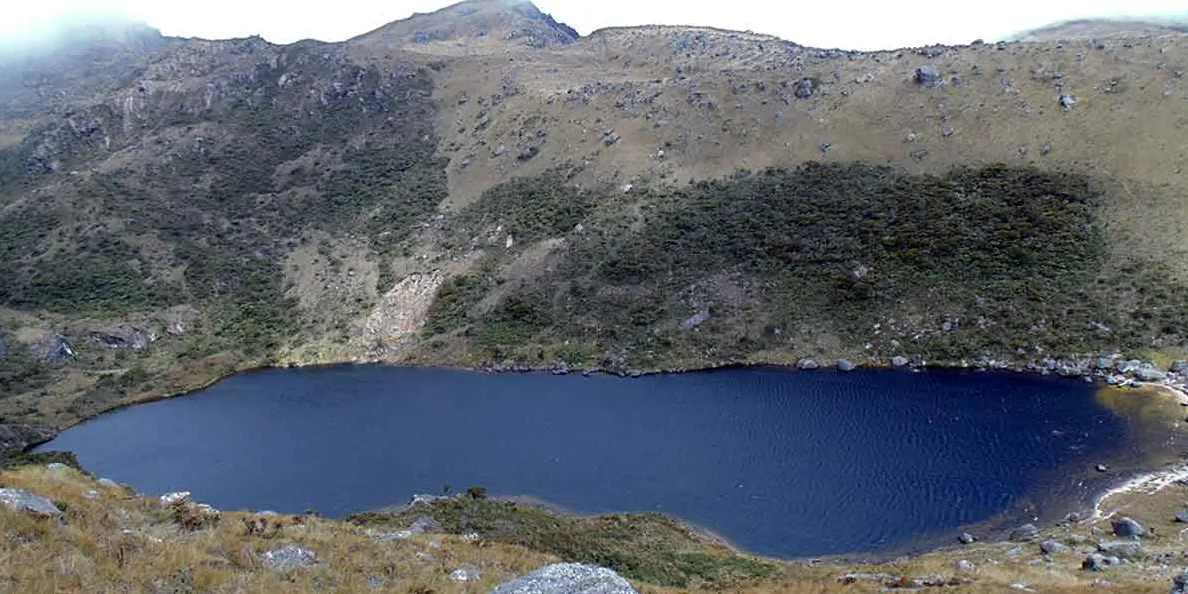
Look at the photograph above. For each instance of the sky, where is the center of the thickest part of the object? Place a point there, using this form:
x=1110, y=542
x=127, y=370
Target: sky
x=853, y=24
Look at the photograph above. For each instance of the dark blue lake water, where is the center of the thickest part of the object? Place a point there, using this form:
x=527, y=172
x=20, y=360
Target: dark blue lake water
x=781, y=463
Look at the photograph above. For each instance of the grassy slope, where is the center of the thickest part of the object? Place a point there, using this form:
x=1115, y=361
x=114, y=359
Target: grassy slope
x=121, y=541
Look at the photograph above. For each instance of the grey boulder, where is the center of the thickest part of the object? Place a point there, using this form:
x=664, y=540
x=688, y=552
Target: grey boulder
x=1024, y=532
x=1096, y=562
x=425, y=524
x=568, y=578
x=1067, y=101
x=928, y=76
x=899, y=361
x=289, y=558
x=1180, y=583
x=1126, y=527
x=1052, y=547
x=26, y=502
x=807, y=364
x=846, y=365
x=1150, y=374
x=1182, y=516
x=1126, y=549
x=124, y=339
x=966, y=538
x=804, y=88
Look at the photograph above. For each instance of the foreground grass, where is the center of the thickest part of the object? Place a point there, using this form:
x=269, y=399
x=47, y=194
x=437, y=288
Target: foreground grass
x=118, y=541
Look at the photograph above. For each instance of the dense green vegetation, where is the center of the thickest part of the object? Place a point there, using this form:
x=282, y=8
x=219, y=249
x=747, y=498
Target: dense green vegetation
x=648, y=547
x=996, y=260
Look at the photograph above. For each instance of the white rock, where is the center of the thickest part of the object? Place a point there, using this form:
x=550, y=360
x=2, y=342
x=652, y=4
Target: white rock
x=24, y=501
x=169, y=499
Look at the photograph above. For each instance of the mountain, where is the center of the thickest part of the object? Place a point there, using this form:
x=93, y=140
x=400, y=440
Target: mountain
x=1106, y=28
x=482, y=186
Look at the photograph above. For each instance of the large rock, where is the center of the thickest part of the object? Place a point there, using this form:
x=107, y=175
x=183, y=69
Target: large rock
x=19, y=437
x=24, y=501
x=289, y=558
x=124, y=339
x=1126, y=527
x=1182, y=516
x=568, y=578
x=1052, y=547
x=1177, y=367
x=425, y=524
x=846, y=365
x=1126, y=549
x=1067, y=101
x=899, y=361
x=807, y=364
x=1180, y=583
x=52, y=349
x=1096, y=562
x=928, y=76
x=694, y=321
x=804, y=88
x=1024, y=533
x=1150, y=374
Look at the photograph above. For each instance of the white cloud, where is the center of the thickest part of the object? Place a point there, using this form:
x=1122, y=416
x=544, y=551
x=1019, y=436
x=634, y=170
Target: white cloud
x=857, y=24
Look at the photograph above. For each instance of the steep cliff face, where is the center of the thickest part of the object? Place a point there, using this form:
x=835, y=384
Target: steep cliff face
x=481, y=184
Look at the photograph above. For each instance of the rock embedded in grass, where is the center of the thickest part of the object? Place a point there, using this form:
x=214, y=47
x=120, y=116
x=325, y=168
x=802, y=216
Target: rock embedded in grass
x=568, y=578
x=288, y=558
x=1024, y=533
x=1052, y=547
x=26, y=502
x=1127, y=527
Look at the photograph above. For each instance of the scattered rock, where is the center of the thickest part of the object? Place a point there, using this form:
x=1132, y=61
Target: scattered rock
x=611, y=138
x=106, y=482
x=1130, y=367
x=568, y=578
x=948, y=131
x=1052, y=547
x=465, y=574
x=899, y=361
x=965, y=566
x=499, y=151
x=1126, y=527
x=825, y=146
x=1024, y=533
x=24, y=501
x=289, y=558
x=928, y=76
x=1097, y=562
x=1067, y=101
x=846, y=365
x=53, y=350
x=1014, y=553
x=694, y=321
x=1126, y=549
x=807, y=364
x=966, y=538
x=1101, y=468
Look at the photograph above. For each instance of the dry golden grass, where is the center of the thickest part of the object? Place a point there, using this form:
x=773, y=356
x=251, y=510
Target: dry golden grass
x=122, y=542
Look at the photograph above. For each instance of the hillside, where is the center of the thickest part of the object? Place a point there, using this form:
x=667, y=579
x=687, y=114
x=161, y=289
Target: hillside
x=481, y=186
x=1091, y=29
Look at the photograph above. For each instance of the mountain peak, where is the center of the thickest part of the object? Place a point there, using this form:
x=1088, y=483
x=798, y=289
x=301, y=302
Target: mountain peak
x=474, y=25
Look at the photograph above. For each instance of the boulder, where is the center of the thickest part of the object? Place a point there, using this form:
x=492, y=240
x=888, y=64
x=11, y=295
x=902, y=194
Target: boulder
x=1125, y=549
x=466, y=574
x=928, y=76
x=1129, y=367
x=804, y=88
x=611, y=138
x=1182, y=516
x=846, y=365
x=1180, y=583
x=1024, y=533
x=1150, y=374
x=1052, y=547
x=289, y=558
x=26, y=502
x=966, y=538
x=807, y=364
x=1067, y=101
x=1126, y=527
x=1177, y=367
x=899, y=361
x=1097, y=562
x=568, y=578
x=965, y=566
x=1105, y=363
x=174, y=498
x=19, y=437
x=52, y=349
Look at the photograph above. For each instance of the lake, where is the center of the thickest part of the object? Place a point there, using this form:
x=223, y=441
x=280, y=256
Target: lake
x=779, y=462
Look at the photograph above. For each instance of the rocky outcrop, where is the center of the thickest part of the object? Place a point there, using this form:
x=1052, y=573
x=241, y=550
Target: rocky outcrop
x=568, y=578
x=124, y=339
x=1125, y=549
x=26, y=502
x=18, y=437
x=53, y=350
